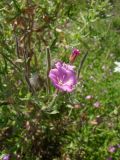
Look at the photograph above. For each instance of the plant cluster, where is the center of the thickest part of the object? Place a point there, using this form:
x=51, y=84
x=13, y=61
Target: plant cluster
x=59, y=80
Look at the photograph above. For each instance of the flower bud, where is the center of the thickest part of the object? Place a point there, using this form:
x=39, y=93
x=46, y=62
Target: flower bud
x=74, y=54
x=89, y=97
x=96, y=104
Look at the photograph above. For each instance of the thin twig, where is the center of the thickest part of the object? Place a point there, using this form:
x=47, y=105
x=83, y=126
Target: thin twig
x=53, y=100
x=81, y=64
x=51, y=104
x=27, y=73
x=48, y=67
x=5, y=103
x=17, y=45
x=9, y=60
x=16, y=6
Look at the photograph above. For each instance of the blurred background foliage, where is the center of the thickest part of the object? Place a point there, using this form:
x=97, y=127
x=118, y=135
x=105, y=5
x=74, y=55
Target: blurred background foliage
x=74, y=129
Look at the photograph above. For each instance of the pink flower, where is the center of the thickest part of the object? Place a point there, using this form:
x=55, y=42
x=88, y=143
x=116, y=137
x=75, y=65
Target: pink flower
x=74, y=54
x=6, y=157
x=63, y=77
x=89, y=97
x=112, y=149
x=96, y=104
x=118, y=145
x=110, y=158
x=64, y=65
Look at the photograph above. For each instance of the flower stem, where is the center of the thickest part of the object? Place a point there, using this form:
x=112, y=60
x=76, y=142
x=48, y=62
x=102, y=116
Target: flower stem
x=55, y=95
x=81, y=64
x=48, y=56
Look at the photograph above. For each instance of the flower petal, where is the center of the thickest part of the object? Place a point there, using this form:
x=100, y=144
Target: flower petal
x=63, y=77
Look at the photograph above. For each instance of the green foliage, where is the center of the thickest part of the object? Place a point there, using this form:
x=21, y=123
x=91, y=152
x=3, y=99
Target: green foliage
x=36, y=125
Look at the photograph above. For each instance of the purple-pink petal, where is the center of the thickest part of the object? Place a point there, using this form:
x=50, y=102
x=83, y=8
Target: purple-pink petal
x=58, y=64
x=6, y=157
x=66, y=88
x=63, y=77
x=96, y=104
x=118, y=145
x=68, y=67
x=110, y=158
x=112, y=149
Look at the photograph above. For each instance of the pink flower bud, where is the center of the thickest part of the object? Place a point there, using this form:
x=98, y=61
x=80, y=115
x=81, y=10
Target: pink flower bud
x=74, y=54
x=89, y=97
x=96, y=104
